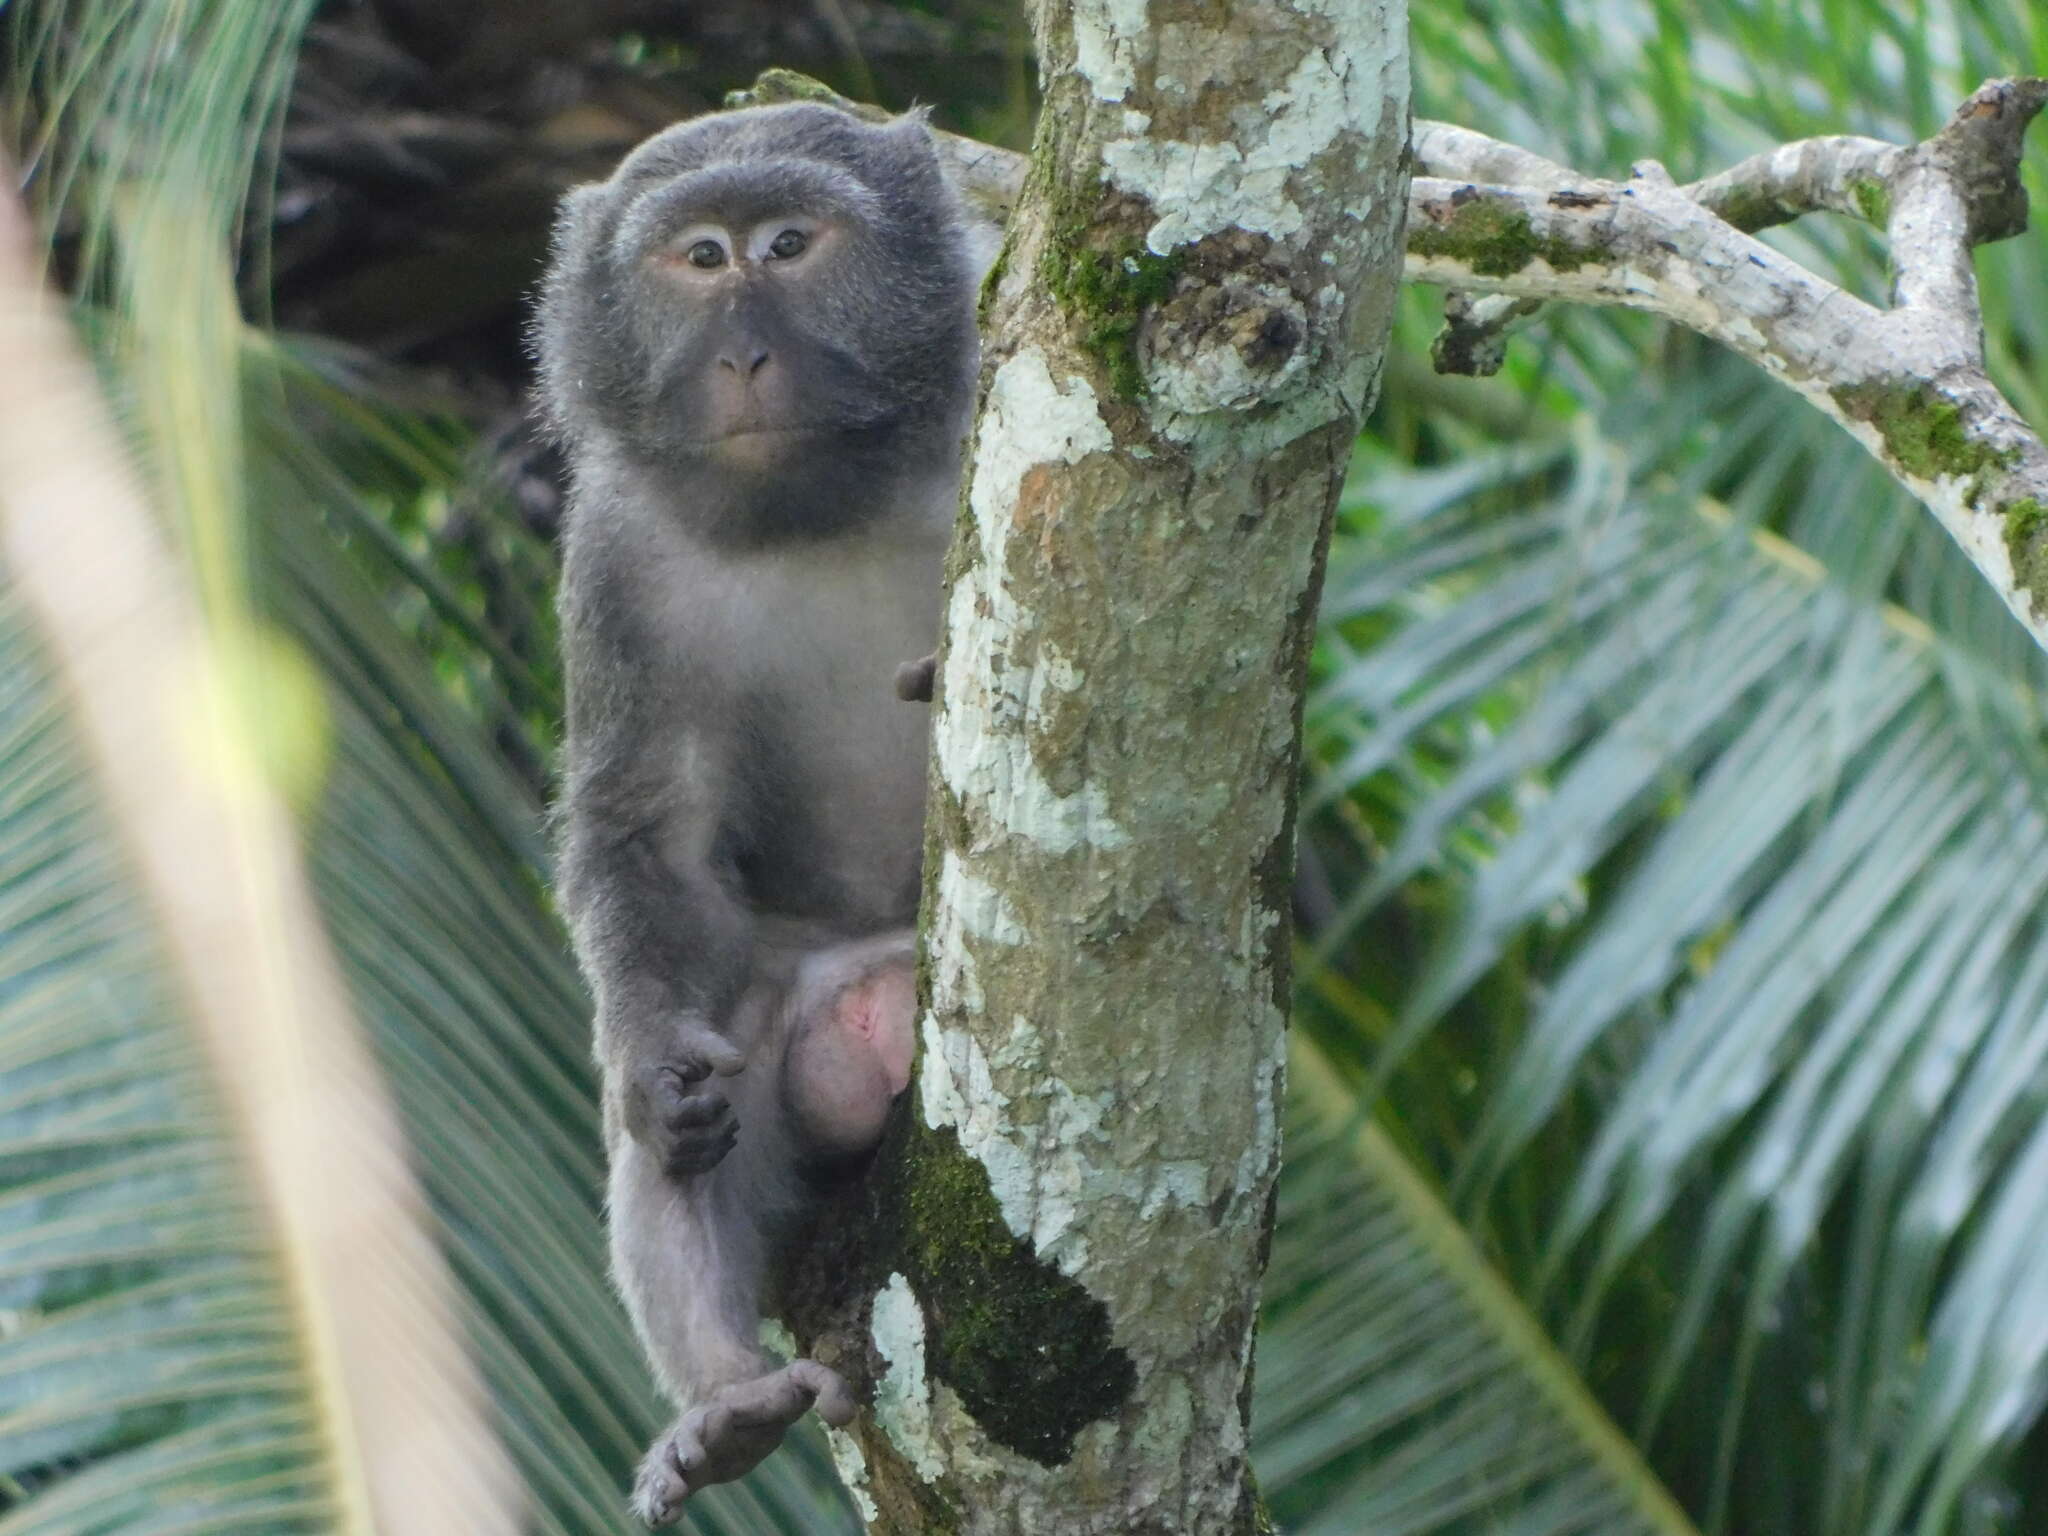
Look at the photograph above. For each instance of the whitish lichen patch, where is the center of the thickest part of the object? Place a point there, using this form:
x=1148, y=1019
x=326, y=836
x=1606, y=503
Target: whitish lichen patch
x=996, y=676
x=967, y=911
x=1030, y=420
x=1041, y=1165
x=1246, y=182
x=982, y=911
x=775, y=1337
x=853, y=1472
x=1106, y=38
x=903, y=1404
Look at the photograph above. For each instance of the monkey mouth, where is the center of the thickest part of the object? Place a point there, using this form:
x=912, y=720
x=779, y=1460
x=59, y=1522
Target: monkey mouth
x=738, y=433
x=757, y=448
x=754, y=438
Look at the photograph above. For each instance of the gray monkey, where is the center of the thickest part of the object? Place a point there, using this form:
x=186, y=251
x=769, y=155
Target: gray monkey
x=757, y=345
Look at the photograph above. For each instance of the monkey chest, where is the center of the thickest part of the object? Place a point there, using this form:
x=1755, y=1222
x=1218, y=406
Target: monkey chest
x=839, y=811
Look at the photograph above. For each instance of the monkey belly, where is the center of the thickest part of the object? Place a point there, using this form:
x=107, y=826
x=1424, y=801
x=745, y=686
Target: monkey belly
x=850, y=1046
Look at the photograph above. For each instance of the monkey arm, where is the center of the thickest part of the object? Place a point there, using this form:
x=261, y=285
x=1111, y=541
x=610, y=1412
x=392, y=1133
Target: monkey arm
x=658, y=926
x=661, y=929
x=666, y=944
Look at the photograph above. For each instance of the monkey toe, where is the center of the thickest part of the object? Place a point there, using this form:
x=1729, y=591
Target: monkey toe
x=659, y=1488
x=726, y=1438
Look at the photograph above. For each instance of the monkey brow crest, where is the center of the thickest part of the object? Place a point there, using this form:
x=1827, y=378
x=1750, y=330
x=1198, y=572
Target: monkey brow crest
x=743, y=192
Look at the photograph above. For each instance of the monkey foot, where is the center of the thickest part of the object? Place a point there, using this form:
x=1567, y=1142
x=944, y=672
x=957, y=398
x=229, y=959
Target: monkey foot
x=729, y=1436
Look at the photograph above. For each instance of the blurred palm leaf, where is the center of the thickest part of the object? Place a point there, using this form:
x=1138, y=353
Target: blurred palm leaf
x=149, y=1377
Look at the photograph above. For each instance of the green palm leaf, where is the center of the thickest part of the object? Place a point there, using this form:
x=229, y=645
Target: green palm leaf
x=1403, y=1387
x=1797, y=891
x=1701, y=857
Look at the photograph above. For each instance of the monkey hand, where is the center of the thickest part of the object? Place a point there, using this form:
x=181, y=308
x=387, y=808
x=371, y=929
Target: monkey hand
x=729, y=1436
x=914, y=679
x=680, y=1112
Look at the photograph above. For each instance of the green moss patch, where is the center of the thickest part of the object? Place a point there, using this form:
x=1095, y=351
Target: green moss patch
x=772, y=87
x=1872, y=200
x=2026, y=541
x=1494, y=239
x=1029, y=1350
x=1105, y=285
x=1922, y=431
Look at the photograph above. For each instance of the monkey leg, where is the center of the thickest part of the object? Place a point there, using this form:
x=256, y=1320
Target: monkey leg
x=689, y=1255
x=691, y=1251
x=851, y=1021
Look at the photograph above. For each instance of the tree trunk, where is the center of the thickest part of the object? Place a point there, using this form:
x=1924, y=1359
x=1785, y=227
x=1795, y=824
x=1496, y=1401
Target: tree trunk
x=1061, y=1253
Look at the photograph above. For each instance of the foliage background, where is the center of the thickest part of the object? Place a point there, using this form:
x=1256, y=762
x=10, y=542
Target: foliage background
x=1667, y=1148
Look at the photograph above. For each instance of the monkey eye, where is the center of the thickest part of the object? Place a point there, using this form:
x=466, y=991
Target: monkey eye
x=706, y=253
x=790, y=242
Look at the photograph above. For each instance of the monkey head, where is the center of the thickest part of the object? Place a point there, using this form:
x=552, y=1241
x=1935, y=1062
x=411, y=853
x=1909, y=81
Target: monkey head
x=770, y=312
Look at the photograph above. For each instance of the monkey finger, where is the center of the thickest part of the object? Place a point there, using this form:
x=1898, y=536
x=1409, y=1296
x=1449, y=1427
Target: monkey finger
x=696, y=1111
x=700, y=1053
x=726, y=1059
x=700, y=1152
x=914, y=679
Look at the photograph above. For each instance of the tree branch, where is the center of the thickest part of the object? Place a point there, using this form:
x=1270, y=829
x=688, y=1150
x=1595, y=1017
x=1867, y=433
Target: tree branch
x=1909, y=381
x=1505, y=229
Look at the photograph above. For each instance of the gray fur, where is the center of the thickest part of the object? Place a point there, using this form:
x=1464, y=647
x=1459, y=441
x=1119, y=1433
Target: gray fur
x=743, y=794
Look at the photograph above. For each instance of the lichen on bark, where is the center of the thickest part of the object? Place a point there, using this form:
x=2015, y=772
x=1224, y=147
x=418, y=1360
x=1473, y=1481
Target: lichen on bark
x=1104, y=284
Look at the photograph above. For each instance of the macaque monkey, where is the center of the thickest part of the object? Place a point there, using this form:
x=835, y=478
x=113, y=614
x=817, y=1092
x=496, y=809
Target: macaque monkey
x=757, y=345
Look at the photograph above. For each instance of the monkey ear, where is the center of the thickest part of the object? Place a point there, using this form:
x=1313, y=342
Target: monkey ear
x=916, y=154
x=912, y=129
x=578, y=215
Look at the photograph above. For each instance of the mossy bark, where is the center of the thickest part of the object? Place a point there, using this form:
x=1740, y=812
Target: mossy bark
x=1050, y=1278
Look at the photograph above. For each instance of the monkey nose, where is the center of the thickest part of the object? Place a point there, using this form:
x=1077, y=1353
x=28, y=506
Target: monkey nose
x=743, y=360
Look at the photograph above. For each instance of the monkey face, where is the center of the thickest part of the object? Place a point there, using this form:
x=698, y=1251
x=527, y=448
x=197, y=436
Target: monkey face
x=745, y=397
x=756, y=308
x=764, y=294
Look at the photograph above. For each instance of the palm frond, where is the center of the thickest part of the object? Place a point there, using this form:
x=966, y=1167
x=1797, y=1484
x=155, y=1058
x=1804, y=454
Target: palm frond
x=148, y=1361
x=1403, y=1388
x=1790, y=903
